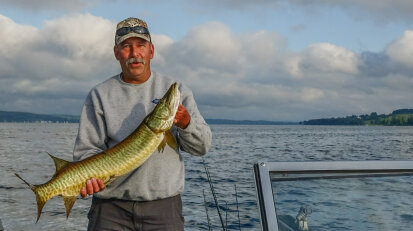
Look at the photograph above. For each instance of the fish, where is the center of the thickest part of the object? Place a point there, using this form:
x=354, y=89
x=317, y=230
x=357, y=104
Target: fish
x=151, y=134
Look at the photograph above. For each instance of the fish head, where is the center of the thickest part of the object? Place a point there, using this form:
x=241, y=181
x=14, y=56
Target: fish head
x=163, y=115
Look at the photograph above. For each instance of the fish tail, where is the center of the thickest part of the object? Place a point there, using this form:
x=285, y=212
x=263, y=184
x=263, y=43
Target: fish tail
x=41, y=201
x=28, y=184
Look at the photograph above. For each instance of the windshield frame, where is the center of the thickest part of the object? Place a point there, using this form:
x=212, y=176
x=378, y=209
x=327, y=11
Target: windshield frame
x=342, y=169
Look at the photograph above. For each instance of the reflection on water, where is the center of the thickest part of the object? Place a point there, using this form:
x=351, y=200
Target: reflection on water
x=234, y=149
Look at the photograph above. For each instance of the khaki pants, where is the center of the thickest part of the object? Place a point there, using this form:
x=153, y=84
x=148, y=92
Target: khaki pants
x=112, y=214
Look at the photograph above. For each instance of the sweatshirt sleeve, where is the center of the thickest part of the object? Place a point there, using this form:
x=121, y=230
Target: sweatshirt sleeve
x=91, y=138
x=196, y=137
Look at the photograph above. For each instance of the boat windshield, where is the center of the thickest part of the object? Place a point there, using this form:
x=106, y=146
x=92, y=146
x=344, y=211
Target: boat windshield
x=345, y=195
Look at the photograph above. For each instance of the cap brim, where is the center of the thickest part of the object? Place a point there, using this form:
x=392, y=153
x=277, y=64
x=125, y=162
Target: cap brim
x=131, y=35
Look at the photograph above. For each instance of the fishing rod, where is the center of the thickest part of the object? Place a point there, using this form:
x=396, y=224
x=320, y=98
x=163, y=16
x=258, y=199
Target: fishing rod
x=206, y=210
x=211, y=185
x=236, y=198
x=226, y=215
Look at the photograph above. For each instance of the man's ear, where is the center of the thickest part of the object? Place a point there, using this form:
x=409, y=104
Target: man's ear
x=152, y=50
x=116, y=52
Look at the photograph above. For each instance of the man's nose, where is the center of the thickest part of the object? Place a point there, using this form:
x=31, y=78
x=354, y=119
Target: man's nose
x=136, y=51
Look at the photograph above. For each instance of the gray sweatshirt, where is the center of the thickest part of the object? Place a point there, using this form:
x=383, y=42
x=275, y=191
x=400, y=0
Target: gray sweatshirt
x=113, y=110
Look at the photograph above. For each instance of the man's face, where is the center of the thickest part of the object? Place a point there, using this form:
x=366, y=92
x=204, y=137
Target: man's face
x=128, y=53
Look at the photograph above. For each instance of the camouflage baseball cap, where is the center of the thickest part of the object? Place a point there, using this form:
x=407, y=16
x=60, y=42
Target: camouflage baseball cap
x=131, y=27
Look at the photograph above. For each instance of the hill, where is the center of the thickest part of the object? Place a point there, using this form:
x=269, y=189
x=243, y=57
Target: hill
x=400, y=117
x=22, y=117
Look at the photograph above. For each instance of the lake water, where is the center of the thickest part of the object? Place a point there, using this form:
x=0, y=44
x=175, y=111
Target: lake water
x=235, y=149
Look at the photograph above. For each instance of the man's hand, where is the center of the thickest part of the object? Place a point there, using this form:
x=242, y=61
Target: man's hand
x=182, y=117
x=92, y=186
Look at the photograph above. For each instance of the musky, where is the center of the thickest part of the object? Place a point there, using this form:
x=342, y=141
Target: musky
x=281, y=60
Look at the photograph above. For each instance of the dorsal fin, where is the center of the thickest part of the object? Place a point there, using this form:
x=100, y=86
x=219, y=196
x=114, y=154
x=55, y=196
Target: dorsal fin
x=59, y=163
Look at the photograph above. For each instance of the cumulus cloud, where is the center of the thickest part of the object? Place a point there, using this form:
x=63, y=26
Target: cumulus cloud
x=214, y=44
x=261, y=73
x=231, y=70
x=252, y=75
x=13, y=35
x=322, y=58
x=60, y=60
x=401, y=50
x=394, y=60
x=327, y=57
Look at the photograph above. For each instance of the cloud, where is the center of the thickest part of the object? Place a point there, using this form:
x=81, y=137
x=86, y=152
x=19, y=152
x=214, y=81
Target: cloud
x=322, y=64
x=394, y=60
x=325, y=57
x=214, y=44
x=256, y=72
x=230, y=70
x=378, y=9
x=45, y=5
x=375, y=64
x=401, y=50
x=383, y=10
x=13, y=35
x=251, y=75
x=60, y=60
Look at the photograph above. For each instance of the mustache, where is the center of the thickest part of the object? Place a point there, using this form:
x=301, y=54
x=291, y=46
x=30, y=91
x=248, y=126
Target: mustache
x=135, y=60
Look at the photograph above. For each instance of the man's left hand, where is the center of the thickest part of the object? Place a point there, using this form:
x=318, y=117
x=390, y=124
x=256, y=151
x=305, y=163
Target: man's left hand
x=182, y=117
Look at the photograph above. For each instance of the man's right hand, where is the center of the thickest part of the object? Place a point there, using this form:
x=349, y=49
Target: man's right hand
x=92, y=186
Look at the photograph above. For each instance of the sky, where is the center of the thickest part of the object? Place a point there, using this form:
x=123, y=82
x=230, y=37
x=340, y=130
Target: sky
x=279, y=60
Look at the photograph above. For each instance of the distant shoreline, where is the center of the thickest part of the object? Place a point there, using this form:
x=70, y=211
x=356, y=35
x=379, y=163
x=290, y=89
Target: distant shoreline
x=26, y=117
x=400, y=117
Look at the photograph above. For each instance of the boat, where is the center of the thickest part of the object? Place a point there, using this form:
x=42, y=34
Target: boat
x=334, y=195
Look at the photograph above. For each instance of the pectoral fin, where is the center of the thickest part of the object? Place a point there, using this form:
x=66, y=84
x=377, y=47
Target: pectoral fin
x=161, y=146
x=170, y=140
x=69, y=202
x=109, y=180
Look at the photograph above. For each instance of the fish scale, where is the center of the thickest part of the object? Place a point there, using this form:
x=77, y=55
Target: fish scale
x=124, y=157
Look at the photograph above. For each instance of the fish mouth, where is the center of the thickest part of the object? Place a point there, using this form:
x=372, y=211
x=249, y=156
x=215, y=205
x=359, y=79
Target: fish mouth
x=172, y=101
x=162, y=117
x=174, y=98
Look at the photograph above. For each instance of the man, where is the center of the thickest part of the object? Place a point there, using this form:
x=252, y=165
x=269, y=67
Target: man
x=148, y=198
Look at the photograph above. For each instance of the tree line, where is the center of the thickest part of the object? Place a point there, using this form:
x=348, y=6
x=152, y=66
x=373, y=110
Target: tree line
x=400, y=117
